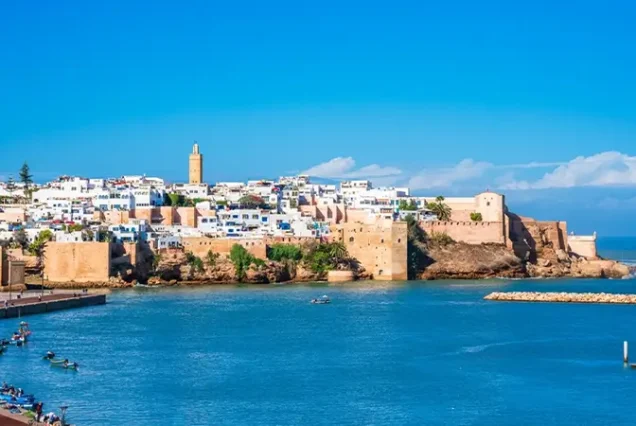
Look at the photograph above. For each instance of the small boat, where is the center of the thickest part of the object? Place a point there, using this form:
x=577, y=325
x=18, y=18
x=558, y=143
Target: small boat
x=17, y=400
x=24, y=329
x=66, y=364
x=321, y=301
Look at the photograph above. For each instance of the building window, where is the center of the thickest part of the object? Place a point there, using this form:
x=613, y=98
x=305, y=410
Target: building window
x=350, y=239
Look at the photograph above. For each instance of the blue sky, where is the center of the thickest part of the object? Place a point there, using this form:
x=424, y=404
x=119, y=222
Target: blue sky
x=534, y=100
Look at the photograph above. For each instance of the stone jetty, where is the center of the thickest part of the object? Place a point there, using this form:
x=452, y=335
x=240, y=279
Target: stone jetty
x=37, y=305
x=563, y=297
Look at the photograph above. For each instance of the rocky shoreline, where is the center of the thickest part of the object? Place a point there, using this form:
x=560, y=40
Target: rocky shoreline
x=563, y=297
x=428, y=260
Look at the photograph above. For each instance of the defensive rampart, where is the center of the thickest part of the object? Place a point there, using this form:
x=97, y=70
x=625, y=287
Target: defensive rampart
x=79, y=262
x=469, y=232
x=381, y=248
x=200, y=246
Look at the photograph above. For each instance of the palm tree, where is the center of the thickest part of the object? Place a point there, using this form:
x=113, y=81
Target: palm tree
x=441, y=210
x=337, y=251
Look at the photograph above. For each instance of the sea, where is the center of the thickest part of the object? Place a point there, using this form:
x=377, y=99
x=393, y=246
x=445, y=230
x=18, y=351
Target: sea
x=395, y=353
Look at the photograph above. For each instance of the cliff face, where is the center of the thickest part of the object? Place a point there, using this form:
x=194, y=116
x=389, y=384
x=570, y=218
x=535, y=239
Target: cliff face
x=463, y=261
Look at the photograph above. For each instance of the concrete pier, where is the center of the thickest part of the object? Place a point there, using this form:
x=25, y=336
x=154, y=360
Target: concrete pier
x=33, y=305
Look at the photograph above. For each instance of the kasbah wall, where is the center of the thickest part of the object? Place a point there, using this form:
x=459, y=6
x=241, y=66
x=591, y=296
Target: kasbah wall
x=79, y=262
x=492, y=229
x=381, y=247
x=199, y=246
x=499, y=226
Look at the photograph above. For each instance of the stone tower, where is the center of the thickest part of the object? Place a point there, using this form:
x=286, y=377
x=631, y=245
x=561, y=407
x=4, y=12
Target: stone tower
x=196, y=165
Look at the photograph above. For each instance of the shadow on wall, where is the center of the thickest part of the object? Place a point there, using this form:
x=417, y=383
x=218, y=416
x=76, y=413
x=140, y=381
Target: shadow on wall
x=523, y=243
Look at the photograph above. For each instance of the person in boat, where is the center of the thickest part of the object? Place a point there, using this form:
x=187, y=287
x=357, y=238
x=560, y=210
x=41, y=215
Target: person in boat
x=65, y=363
x=50, y=355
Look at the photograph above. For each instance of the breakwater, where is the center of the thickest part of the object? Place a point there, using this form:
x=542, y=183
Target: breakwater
x=563, y=297
x=34, y=305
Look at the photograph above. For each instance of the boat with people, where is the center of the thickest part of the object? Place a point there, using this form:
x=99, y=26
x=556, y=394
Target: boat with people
x=321, y=301
x=64, y=363
x=24, y=329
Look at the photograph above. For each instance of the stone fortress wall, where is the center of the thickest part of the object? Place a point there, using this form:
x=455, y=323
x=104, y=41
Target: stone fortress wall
x=469, y=232
x=583, y=245
x=200, y=246
x=79, y=262
x=381, y=247
x=378, y=243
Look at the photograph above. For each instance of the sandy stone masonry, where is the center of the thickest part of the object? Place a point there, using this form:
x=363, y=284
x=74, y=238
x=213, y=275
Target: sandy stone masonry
x=563, y=297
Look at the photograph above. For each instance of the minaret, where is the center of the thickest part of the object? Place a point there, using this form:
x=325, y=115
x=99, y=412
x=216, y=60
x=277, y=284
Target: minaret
x=196, y=165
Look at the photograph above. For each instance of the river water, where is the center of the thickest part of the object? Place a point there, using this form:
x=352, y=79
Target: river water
x=381, y=354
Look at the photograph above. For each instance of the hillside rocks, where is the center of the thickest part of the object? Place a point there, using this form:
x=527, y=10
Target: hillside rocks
x=464, y=261
x=563, y=297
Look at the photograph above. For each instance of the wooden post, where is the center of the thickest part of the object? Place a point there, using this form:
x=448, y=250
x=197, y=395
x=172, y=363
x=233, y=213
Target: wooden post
x=625, y=352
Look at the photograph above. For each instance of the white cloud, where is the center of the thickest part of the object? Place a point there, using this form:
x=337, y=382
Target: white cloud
x=443, y=178
x=531, y=165
x=344, y=167
x=374, y=170
x=604, y=169
x=335, y=167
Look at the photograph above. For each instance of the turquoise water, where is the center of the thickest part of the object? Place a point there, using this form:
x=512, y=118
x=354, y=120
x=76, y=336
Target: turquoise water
x=380, y=354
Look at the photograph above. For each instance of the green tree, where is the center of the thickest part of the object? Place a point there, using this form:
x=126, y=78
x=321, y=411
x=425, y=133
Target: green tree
x=251, y=202
x=241, y=259
x=156, y=260
x=440, y=209
x=409, y=205
x=195, y=262
x=21, y=238
x=88, y=235
x=75, y=227
x=324, y=257
x=280, y=252
x=337, y=251
x=476, y=217
x=36, y=248
x=176, y=200
x=10, y=186
x=26, y=177
x=211, y=258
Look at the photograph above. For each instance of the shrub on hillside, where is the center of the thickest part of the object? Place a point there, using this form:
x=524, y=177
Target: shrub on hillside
x=476, y=217
x=440, y=239
x=281, y=252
